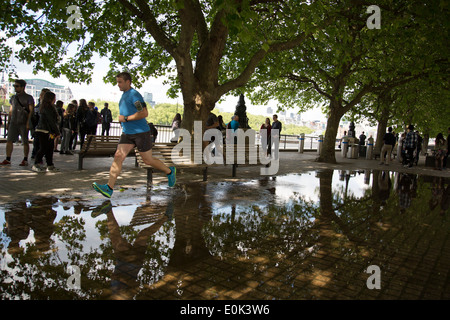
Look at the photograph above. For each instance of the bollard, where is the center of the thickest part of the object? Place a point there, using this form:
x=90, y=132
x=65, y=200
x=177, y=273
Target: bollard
x=369, y=148
x=351, y=148
x=399, y=150
x=366, y=177
x=344, y=147
x=301, y=143
x=319, y=146
x=354, y=152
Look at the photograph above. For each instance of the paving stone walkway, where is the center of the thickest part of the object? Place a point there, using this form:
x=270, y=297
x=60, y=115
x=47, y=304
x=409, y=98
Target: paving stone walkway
x=328, y=259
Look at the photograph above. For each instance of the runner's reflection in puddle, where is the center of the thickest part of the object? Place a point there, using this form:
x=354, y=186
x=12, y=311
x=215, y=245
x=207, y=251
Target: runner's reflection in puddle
x=129, y=255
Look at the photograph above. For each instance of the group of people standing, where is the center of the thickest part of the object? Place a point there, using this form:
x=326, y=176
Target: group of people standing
x=50, y=124
x=409, y=146
x=216, y=122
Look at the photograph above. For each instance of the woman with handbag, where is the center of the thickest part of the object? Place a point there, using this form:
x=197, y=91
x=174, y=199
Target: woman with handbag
x=47, y=130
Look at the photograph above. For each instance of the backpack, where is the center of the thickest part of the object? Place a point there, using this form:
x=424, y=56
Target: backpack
x=35, y=119
x=22, y=112
x=153, y=130
x=419, y=142
x=106, y=116
x=90, y=118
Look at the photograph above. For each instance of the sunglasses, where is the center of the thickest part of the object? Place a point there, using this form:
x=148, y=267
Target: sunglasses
x=17, y=86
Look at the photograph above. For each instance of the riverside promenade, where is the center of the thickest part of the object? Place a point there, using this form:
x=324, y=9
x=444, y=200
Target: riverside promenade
x=19, y=181
x=311, y=232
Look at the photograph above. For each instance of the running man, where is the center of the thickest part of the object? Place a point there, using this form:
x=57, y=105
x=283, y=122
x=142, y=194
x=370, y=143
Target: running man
x=136, y=133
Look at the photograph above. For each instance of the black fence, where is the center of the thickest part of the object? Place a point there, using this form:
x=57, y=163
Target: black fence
x=165, y=133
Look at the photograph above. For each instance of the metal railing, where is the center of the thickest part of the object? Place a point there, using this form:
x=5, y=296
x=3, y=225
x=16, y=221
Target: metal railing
x=165, y=133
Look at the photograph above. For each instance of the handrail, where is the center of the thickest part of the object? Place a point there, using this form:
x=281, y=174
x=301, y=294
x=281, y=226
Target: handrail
x=165, y=133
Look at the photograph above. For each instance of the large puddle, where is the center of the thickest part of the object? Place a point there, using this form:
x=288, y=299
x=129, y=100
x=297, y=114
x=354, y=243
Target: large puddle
x=301, y=236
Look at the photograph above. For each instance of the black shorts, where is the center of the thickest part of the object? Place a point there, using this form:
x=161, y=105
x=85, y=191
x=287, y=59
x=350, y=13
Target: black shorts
x=143, y=141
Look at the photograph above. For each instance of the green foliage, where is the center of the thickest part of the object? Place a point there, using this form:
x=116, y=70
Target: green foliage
x=163, y=113
x=5, y=102
x=302, y=53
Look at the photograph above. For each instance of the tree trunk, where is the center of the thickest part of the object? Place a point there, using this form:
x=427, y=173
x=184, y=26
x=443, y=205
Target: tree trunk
x=385, y=100
x=196, y=109
x=381, y=129
x=426, y=140
x=190, y=246
x=328, y=153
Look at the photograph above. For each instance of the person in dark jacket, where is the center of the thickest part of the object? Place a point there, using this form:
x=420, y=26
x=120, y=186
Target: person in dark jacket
x=388, y=145
x=69, y=123
x=60, y=111
x=448, y=149
x=83, y=127
x=48, y=130
x=106, y=119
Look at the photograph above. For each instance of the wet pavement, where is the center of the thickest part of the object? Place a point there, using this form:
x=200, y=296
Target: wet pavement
x=298, y=235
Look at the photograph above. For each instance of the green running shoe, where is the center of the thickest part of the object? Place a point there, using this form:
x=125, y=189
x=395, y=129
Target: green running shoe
x=104, y=189
x=105, y=207
x=172, y=176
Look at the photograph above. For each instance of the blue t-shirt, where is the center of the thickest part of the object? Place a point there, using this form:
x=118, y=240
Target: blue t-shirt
x=234, y=125
x=127, y=107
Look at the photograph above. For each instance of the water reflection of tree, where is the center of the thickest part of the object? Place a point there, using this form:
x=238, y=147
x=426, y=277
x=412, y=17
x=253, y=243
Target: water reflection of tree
x=35, y=270
x=308, y=247
x=273, y=229
x=139, y=256
x=325, y=245
x=194, y=212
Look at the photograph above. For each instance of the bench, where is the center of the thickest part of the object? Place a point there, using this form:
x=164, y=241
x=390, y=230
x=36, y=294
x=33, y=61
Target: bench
x=376, y=154
x=430, y=160
x=163, y=152
x=98, y=146
x=251, y=159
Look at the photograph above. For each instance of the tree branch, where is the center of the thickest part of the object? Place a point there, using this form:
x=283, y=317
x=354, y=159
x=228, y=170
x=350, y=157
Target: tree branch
x=202, y=28
x=255, y=60
x=316, y=86
x=243, y=78
x=145, y=14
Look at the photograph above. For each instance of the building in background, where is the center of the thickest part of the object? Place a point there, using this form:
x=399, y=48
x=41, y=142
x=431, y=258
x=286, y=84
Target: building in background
x=34, y=87
x=3, y=93
x=148, y=98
